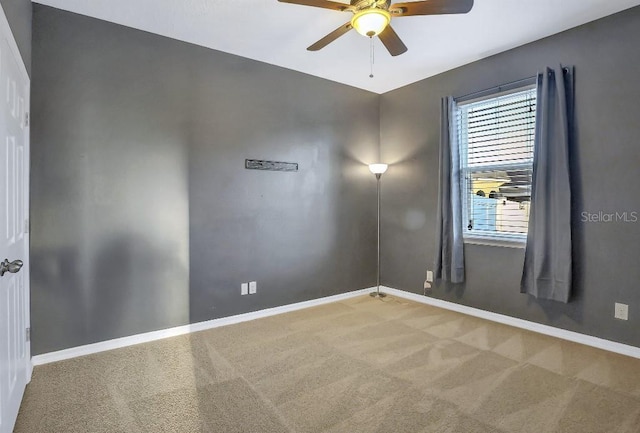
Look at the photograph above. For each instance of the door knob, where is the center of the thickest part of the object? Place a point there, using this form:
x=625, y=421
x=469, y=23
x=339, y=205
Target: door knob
x=11, y=267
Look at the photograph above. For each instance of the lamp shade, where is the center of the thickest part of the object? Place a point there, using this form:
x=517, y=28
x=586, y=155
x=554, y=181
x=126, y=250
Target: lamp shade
x=371, y=22
x=378, y=168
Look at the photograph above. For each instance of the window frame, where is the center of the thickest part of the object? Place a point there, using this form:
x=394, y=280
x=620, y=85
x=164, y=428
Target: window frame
x=502, y=239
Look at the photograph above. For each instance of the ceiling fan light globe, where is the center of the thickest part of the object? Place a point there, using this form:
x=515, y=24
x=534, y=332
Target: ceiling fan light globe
x=371, y=22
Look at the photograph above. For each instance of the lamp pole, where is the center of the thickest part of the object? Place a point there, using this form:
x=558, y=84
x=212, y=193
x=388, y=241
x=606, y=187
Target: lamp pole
x=378, y=169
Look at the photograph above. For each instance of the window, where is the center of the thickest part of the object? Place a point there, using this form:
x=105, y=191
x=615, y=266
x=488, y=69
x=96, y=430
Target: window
x=496, y=135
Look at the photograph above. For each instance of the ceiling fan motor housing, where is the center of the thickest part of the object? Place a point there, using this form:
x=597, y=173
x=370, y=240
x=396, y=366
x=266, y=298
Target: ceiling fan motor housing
x=365, y=4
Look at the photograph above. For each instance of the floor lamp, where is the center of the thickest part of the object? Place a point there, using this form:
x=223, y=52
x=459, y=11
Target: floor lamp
x=378, y=169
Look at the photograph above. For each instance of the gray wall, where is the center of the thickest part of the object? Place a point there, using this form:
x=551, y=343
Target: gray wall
x=143, y=216
x=18, y=14
x=605, y=174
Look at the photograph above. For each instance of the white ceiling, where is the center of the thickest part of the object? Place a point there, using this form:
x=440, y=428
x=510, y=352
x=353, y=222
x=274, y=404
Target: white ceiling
x=279, y=33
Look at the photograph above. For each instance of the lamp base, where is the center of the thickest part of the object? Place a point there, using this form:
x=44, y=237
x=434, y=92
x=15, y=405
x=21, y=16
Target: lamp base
x=377, y=294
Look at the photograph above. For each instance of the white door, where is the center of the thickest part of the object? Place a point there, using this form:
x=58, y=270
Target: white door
x=15, y=351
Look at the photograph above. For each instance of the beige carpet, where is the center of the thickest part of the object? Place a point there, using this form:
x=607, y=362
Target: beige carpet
x=357, y=366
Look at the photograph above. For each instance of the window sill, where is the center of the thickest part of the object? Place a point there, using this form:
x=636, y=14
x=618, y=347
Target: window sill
x=493, y=242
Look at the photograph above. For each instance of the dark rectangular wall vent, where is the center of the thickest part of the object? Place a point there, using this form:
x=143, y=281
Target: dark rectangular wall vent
x=257, y=164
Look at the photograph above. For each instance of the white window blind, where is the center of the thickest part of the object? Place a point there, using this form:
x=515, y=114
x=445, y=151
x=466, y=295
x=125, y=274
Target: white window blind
x=496, y=136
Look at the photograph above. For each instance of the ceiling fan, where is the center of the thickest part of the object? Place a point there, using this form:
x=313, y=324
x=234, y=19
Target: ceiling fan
x=372, y=17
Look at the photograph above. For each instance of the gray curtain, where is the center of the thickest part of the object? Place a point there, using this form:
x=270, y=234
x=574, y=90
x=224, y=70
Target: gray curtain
x=547, y=262
x=449, y=263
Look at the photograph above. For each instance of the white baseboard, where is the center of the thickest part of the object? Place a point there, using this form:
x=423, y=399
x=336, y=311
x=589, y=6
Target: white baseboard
x=117, y=343
x=185, y=329
x=587, y=340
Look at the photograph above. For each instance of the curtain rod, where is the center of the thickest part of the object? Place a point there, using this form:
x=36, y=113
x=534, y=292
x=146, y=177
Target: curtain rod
x=494, y=88
x=502, y=86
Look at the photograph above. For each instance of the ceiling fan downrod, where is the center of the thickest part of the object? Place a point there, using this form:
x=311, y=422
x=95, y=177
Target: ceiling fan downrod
x=371, y=57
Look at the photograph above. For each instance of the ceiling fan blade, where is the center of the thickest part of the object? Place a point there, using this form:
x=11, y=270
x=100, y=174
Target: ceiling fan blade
x=392, y=42
x=326, y=4
x=431, y=7
x=331, y=37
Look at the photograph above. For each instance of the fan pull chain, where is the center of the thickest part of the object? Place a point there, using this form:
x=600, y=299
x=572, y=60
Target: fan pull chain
x=371, y=58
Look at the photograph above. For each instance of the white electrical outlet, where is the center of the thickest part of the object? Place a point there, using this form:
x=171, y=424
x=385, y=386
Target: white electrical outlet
x=253, y=287
x=621, y=311
x=244, y=289
x=429, y=276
